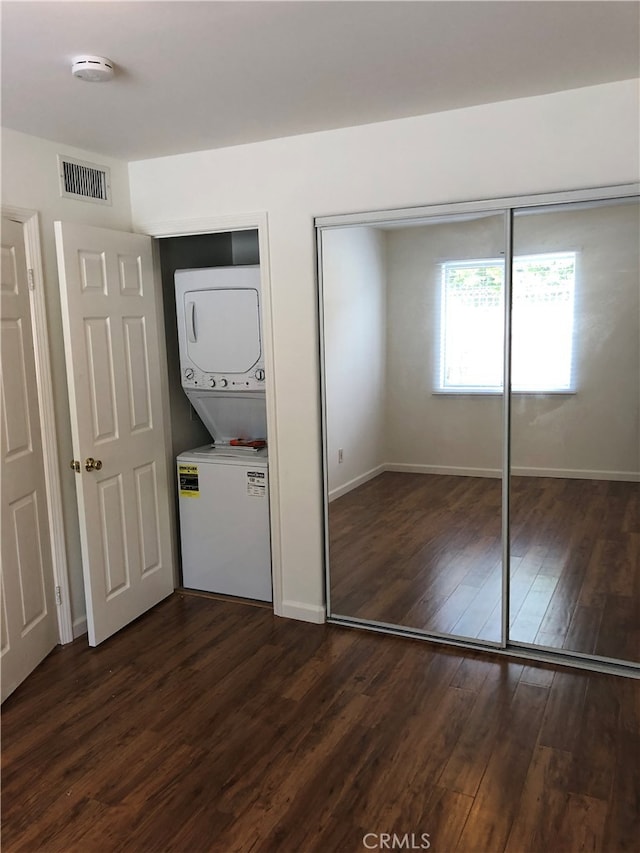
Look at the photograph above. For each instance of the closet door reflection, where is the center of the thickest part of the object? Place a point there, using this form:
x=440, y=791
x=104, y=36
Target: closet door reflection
x=413, y=364
x=575, y=528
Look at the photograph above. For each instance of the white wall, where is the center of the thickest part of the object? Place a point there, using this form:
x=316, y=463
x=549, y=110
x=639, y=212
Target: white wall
x=581, y=138
x=423, y=429
x=354, y=287
x=592, y=432
x=596, y=431
x=30, y=180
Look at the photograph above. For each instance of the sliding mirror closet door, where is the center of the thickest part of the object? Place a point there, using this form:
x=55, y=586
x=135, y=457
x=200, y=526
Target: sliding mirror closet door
x=575, y=430
x=413, y=344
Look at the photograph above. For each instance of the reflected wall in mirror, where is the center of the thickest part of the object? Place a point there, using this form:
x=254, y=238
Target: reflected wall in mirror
x=575, y=431
x=413, y=362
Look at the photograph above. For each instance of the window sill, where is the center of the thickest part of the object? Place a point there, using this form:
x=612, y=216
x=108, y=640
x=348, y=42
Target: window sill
x=497, y=392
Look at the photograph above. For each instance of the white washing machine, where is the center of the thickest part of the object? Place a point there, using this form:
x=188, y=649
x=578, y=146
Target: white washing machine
x=224, y=522
x=224, y=490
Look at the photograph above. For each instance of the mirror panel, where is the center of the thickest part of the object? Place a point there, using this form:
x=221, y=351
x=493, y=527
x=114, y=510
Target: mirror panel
x=413, y=363
x=575, y=430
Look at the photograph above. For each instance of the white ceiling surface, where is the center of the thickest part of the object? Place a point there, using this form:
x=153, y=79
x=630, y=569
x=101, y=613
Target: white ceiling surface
x=198, y=75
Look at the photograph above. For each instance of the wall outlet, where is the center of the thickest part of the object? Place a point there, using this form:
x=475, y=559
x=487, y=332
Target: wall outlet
x=340, y=453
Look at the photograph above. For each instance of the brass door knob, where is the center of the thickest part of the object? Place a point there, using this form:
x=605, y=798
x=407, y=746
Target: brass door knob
x=92, y=464
x=75, y=466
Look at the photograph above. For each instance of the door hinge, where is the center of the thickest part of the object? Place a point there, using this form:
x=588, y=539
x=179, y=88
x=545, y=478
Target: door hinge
x=31, y=279
x=58, y=595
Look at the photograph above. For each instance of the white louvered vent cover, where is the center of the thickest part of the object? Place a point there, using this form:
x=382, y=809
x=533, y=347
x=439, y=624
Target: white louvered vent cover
x=84, y=181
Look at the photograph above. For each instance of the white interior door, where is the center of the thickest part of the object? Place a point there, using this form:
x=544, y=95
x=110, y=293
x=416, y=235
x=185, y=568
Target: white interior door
x=28, y=621
x=112, y=343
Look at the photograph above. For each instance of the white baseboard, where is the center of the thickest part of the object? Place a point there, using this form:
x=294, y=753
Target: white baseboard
x=357, y=481
x=405, y=467
x=79, y=627
x=303, y=612
x=521, y=471
x=577, y=474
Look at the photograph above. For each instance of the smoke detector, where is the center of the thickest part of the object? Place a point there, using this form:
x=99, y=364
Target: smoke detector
x=95, y=69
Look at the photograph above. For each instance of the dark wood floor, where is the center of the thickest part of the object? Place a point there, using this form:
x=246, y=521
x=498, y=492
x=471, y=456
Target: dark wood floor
x=214, y=726
x=424, y=551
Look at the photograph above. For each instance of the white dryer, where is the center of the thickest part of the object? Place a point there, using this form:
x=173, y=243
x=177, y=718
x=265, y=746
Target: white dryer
x=220, y=328
x=220, y=342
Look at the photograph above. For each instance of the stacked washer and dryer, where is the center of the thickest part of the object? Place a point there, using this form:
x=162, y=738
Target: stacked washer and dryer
x=223, y=487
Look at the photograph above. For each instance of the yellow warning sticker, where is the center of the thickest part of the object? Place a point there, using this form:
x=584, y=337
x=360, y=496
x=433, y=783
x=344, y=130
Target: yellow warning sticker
x=188, y=480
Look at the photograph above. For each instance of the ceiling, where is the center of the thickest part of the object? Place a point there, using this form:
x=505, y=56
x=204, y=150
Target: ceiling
x=198, y=75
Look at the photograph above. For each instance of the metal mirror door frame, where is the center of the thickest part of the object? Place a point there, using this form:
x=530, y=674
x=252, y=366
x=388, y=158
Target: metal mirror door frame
x=426, y=215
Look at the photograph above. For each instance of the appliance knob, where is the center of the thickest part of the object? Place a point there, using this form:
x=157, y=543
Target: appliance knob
x=212, y=382
x=223, y=383
x=260, y=375
x=188, y=374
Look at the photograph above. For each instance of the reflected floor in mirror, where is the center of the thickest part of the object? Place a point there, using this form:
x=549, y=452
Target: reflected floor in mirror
x=423, y=551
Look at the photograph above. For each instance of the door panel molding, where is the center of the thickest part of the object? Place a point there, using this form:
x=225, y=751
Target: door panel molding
x=31, y=227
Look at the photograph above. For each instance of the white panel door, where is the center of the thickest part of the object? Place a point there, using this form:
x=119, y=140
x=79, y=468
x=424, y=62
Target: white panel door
x=28, y=624
x=112, y=344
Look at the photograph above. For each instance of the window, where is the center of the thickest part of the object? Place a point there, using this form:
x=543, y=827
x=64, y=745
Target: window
x=472, y=319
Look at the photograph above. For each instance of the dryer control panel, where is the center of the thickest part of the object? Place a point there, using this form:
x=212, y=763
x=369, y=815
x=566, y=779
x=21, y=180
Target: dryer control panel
x=194, y=378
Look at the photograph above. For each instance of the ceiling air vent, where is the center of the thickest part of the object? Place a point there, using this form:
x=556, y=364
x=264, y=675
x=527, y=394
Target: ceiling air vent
x=84, y=181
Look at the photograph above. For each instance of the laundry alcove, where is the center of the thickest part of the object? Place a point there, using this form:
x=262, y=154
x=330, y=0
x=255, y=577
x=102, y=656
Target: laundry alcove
x=194, y=251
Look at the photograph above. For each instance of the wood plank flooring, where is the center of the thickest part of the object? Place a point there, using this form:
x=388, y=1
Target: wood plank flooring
x=424, y=551
x=211, y=727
